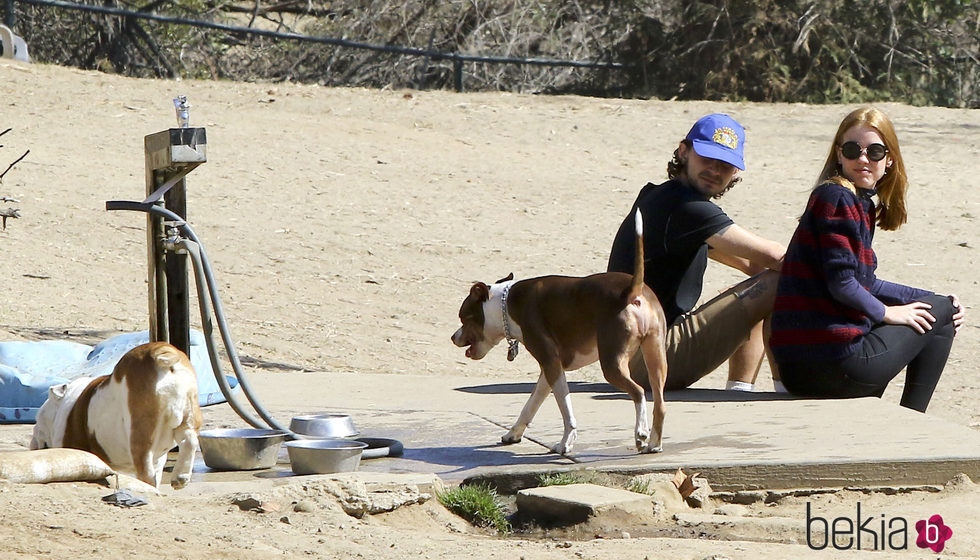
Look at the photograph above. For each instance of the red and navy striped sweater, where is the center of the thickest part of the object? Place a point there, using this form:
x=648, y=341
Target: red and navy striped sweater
x=828, y=296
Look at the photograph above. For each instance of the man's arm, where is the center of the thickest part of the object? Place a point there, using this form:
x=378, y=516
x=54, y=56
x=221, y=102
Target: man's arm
x=738, y=263
x=740, y=249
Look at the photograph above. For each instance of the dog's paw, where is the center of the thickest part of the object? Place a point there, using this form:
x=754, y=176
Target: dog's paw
x=564, y=447
x=561, y=448
x=642, y=442
x=510, y=438
x=180, y=481
x=653, y=449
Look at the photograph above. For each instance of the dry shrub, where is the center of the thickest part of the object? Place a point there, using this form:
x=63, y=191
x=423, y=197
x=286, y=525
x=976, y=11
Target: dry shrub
x=916, y=51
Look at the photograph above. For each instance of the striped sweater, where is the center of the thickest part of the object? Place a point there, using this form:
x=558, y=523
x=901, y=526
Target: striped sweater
x=828, y=297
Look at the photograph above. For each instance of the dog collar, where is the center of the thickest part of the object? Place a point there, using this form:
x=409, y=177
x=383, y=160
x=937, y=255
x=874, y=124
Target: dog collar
x=512, y=344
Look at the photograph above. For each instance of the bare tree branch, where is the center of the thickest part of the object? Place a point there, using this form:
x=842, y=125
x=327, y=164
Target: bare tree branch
x=9, y=167
x=8, y=213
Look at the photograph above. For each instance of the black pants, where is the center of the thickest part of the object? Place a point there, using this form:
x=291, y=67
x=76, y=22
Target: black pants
x=883, y=353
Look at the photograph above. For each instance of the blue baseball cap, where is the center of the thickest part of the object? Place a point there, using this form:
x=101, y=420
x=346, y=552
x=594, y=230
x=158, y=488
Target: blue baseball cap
x=718, y=136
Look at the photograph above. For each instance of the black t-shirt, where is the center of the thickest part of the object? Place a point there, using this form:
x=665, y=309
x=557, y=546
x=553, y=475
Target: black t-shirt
x=677, y=221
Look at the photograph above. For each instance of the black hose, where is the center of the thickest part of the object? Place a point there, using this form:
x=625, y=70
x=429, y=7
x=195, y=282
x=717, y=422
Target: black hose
x=202, y=265
x=193, y=250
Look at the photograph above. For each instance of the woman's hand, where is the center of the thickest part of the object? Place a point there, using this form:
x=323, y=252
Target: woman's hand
x=959, y=314
x=915, y=315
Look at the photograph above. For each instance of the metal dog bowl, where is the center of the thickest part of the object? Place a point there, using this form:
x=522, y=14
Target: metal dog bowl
x=242, y=449
x=324, y=425
x=323, y=456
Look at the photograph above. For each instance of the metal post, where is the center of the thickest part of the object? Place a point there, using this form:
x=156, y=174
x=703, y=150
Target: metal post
x=156, y=276
x=178, y=300
x=10, y=18
x=170, y=155
x=458, y=74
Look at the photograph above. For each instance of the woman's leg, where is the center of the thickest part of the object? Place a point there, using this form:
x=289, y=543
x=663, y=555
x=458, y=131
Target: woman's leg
x=889, y=348
x=884, y=352
x=923, y=372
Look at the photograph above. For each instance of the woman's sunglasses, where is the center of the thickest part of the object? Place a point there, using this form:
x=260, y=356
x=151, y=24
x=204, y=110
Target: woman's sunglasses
x=853, y=150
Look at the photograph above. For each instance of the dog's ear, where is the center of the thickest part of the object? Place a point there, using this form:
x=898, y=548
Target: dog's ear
x=57, y=392
x=507, y=279
x=480, y=292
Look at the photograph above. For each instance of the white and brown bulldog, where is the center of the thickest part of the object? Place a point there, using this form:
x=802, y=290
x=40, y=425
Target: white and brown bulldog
x=567, y=323
x=132, y=418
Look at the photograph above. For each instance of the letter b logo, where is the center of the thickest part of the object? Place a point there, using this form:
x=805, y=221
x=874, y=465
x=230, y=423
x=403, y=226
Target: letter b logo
x=933, y=533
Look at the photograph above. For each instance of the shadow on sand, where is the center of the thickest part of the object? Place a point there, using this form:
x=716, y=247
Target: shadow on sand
x=604, y=391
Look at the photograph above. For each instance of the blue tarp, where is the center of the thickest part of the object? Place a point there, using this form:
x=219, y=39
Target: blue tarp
x=28, y=369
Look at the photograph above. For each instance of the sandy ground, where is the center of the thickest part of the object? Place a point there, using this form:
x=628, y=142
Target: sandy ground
x=346, y=225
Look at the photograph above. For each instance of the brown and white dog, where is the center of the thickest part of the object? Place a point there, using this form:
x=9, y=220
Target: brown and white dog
x=567, y=323
x=132, y=418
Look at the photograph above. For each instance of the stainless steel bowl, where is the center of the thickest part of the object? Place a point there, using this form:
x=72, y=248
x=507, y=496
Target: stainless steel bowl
x=324, y=425
x=241, y=449
x=324, y=456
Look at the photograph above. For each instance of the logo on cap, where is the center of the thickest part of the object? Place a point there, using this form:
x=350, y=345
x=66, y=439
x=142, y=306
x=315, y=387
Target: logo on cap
x=726, y=137
x=718, y=136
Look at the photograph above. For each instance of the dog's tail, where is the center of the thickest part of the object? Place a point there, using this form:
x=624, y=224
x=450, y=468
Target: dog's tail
x=637, y=287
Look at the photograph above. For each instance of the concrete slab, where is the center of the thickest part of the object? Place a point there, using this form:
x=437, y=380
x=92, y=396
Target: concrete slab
x=574, y=503
x=451, y=426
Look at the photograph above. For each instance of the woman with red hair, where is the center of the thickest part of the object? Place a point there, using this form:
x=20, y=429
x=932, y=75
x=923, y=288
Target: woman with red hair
x=838, y=330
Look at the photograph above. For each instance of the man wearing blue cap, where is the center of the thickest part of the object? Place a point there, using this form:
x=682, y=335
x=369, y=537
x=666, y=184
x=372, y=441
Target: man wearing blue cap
x=682, y=229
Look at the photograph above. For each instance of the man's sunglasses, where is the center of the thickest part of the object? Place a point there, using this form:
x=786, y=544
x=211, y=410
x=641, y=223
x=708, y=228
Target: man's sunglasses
x=853, y=150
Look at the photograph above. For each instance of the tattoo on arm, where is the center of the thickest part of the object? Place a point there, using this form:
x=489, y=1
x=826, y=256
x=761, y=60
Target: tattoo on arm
x=755, y=287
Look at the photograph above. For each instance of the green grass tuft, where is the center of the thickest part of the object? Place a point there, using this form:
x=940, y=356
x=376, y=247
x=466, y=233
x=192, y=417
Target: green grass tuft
x=477, y=504
x=639, y=485
x=560, y=479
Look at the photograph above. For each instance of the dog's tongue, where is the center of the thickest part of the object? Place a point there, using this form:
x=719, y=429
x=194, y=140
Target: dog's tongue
x=469, y=352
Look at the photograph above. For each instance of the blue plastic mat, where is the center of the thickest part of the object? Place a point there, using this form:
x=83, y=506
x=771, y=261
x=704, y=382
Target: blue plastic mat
x=28, y=369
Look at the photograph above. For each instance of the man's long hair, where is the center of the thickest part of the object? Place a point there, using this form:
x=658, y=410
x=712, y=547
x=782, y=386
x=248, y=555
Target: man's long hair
x=676, y=167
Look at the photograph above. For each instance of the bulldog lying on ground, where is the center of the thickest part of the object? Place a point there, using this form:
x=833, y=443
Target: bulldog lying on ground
x=132, y=418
